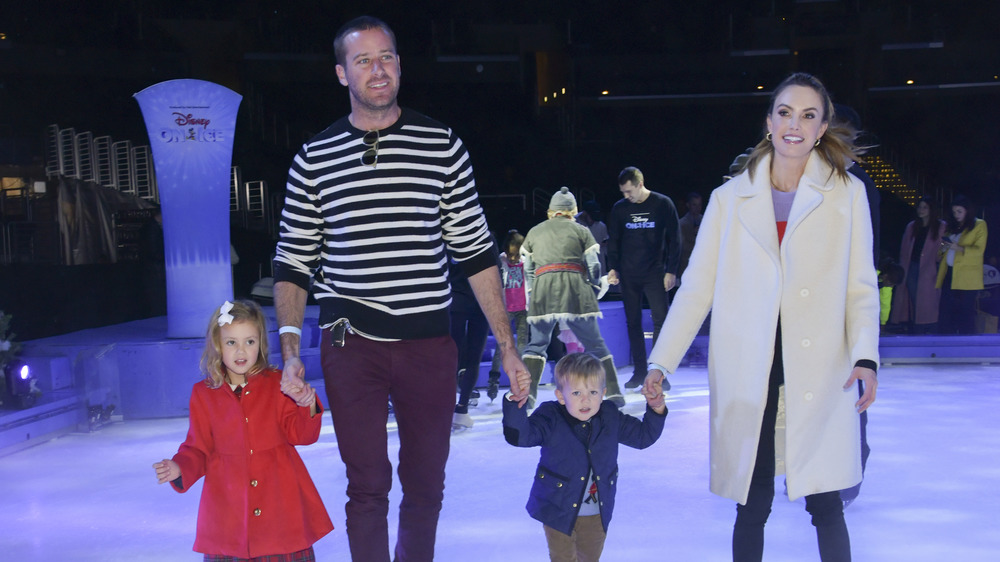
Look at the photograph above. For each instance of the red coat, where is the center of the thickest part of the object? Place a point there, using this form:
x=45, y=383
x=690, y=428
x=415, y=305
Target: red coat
x=258, y=498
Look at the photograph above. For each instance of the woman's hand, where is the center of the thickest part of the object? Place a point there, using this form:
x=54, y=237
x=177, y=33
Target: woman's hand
x=870, y=382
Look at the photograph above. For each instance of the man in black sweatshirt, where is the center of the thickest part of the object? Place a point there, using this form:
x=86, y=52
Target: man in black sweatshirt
x=643, y=255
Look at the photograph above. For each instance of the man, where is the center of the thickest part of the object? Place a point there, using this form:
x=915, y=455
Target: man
x=561, y=270
x=372, y=205
x=643, y=255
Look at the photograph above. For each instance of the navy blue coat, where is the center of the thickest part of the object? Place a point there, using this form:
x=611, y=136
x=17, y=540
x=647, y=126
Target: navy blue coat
x=570, y=449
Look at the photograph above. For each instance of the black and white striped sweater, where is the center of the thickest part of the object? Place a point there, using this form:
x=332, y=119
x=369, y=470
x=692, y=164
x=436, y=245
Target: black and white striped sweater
x=380, y=235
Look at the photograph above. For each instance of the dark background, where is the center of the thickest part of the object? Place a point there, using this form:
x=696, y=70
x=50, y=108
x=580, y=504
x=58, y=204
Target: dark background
x=687, y=85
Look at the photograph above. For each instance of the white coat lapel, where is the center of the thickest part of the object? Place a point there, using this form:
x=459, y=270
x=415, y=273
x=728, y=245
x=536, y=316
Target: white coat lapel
x=816, y=179
x=756, y=209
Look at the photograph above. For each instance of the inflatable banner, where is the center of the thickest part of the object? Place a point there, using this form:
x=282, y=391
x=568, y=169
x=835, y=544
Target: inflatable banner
x=191, y=125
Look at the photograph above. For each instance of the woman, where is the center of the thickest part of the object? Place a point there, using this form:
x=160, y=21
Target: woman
x=960, y=273
x=783, y=260
x=915, y=302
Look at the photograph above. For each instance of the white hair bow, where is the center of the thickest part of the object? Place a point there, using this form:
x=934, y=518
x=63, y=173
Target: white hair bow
x=224, y=316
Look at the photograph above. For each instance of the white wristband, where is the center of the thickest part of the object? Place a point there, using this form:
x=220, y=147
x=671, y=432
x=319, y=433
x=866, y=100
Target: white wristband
x=290, y=330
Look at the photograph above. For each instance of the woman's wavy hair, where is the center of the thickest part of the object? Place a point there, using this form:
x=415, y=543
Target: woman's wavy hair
x=836, y=148
x=211, y=358
x=933, y=218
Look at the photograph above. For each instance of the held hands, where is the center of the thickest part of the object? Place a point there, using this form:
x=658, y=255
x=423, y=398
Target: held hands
x=305, y=397
x=867, y=377
x=652, y=389
x=166, y=471
x=294, y=385
x=520, y=378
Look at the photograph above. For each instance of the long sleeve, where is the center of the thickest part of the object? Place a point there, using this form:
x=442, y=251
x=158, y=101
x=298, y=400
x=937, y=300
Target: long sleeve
x=672, y=235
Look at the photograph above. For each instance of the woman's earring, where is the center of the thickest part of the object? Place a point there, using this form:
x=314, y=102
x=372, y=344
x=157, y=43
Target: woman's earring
x=817, y=141
x=768, y=137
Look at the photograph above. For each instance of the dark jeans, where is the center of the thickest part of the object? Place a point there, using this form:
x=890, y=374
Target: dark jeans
x=419, y=377
x=632, y=293
x=826, y=508
x=469, y=329
x=850, y=494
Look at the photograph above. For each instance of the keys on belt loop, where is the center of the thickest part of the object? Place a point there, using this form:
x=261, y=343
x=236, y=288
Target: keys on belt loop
x=339, y=331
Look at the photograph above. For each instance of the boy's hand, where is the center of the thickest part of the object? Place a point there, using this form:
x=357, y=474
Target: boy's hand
x=166, y=471
x=653, y=391
x=524, y=383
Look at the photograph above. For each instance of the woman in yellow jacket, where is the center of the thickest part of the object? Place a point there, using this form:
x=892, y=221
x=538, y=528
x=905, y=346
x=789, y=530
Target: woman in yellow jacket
x=960, y=273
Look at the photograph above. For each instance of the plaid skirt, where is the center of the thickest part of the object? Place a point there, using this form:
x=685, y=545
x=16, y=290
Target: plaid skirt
x=306, y=555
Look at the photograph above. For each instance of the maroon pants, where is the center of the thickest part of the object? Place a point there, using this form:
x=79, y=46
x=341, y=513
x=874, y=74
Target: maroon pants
x=419, y=377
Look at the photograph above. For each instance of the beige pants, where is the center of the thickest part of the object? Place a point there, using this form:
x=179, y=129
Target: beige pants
x=584, y=545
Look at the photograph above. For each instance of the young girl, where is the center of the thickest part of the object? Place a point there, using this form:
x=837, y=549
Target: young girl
x=258, y=501
x=512, y=273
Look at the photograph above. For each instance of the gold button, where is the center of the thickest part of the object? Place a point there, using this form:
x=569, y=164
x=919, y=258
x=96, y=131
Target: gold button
x=256, y=512
x=253, y=483
x=597, y=478
x=248, y=420
x=574, y=505
x=251, y=451
x=247, y=393
x=559, y=485
x=583, y=478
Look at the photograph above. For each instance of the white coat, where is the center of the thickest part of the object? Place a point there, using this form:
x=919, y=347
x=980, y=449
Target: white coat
x=822, y=282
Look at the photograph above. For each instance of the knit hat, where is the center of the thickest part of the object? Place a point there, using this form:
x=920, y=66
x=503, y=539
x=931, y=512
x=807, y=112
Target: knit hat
x=562, y=200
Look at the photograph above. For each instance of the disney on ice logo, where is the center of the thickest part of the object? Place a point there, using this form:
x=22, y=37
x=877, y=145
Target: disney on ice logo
x=640, y=221
x=191, y=128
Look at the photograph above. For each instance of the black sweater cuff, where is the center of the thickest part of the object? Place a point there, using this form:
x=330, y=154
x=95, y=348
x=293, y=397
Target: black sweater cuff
x=868, y=364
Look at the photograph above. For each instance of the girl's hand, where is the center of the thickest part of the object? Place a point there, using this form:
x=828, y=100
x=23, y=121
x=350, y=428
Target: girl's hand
x=166, y=471
x=305, y=396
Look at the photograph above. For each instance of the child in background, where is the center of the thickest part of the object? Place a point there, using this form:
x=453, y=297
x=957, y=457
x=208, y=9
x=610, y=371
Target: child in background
x=573, y=494
x=258, y=501
x=512, y=275
x=890, y=274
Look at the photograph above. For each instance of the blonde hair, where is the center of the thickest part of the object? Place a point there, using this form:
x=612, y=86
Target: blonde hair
x=568, y=213
x=836, y=146
x=579, y=366
x=211, y=358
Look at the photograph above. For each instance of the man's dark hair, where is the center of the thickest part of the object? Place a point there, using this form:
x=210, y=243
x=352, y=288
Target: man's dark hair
x=361, y=23
x=630, y=174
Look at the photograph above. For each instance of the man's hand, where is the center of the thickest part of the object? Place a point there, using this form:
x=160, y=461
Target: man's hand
x=293, y=377
x=669, y=281
x=520, y=378
x=613, y=277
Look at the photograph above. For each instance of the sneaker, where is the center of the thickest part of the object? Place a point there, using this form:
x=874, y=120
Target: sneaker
x=461, y=422
x=636, y=381
x=618, y=400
